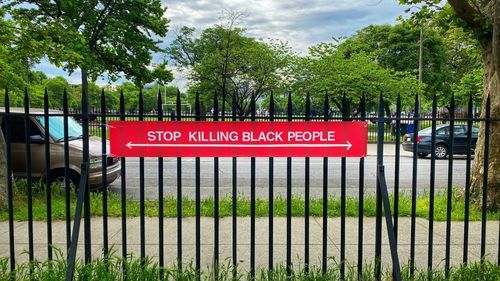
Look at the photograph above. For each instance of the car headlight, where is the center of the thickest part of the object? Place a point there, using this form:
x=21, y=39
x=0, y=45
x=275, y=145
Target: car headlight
x=95, y=163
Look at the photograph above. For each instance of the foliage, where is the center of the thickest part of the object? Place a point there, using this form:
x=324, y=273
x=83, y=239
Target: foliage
x=243, y=206
x=113, y=37
x=224, y=60
x=111, y=268
x=14, y=68
x=329, y=67
x=397, y=48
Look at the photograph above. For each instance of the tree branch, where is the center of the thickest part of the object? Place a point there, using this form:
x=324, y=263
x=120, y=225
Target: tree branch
x=466, y=12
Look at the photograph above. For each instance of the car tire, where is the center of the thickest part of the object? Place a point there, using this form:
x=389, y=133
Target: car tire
x=422, y=155
x=441, y=151
x=58, y=177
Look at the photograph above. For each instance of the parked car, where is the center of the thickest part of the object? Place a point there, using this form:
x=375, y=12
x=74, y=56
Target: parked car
x=56, y=139
x=442, y=150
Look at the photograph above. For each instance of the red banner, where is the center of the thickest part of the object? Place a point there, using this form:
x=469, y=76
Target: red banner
x=238, y=139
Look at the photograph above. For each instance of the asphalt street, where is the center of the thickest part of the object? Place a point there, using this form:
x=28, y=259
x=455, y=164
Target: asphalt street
x=225, y=173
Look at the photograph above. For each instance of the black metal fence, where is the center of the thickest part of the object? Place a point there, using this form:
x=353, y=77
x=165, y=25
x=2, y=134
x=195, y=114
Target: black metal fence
x=387, y=128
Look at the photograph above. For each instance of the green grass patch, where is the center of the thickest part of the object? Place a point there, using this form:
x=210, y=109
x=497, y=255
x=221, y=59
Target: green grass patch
x=111, y=268
x=243, y=206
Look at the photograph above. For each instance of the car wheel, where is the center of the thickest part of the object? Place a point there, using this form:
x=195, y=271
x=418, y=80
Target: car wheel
x=441, y=151
x=422, y=155
x=58, y=179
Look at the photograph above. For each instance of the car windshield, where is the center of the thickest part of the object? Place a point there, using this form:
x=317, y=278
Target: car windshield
x=56, y=127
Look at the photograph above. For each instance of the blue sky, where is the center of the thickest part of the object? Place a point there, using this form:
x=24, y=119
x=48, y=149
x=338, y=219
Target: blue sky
x=302, y=23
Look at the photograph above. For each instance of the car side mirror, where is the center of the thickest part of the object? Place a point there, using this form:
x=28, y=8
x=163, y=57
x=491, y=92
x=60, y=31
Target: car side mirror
x=37, y=139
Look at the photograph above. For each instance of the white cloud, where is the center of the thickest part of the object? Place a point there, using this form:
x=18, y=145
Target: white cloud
x=302, y=23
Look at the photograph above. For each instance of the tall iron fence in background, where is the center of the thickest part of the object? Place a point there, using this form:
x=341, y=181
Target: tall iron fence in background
x=381, y=128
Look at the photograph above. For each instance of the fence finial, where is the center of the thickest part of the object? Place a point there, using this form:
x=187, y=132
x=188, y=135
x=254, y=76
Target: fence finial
x=326, y=108
x=216, y=107
x=252, y=106
x=289, y=106
x=197, y=106
x=308, y=106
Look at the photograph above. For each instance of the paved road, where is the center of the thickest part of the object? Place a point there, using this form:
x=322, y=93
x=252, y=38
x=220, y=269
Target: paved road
x=280, y=175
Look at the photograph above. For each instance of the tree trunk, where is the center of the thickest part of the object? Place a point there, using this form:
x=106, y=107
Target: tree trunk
x=491, y=89
x=3, y=173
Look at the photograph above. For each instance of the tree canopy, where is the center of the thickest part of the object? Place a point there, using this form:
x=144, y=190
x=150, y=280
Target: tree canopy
x=224, y=60
x=112, y=37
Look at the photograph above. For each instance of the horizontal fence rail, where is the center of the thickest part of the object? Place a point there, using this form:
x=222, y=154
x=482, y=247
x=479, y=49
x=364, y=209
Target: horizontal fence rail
x=32, y=156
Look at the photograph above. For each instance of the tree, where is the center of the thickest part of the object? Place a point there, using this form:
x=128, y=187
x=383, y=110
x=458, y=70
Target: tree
x=397, y=48
x=113, y=37
x=481, y=19
x=329, y=68
x=223, y=59
x=14, y=67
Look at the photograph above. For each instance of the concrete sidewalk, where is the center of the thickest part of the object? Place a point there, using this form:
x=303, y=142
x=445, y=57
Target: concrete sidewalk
x=243, y=239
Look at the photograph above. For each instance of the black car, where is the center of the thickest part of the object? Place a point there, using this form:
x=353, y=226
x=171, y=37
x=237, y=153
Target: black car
x=442, y=150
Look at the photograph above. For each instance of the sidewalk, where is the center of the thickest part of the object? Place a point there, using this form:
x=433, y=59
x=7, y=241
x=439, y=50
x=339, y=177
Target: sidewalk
x=243, y=238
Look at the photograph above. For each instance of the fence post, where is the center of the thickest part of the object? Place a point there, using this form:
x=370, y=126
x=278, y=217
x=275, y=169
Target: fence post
x=414, y=186
x=289, y=199
x=198, y=196
x=29, y=184
x=48, y=174
x=252, y=198
x=380, y=162
x=361, y=195
x=306, y=192
x=234, y=196
x=324, y=264
x=161, y=253
x=271, y=193
x=86, y=212
x=10, y=203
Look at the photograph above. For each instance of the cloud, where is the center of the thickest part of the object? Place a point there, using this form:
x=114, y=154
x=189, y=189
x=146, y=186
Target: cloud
x=302, y=23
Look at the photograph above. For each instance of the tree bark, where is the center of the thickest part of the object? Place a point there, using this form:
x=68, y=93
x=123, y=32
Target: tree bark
x=491, y=89
x=3, y=173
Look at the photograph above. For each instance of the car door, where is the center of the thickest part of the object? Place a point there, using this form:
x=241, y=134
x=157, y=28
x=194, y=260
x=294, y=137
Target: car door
x=18, y=147
x=460, y=139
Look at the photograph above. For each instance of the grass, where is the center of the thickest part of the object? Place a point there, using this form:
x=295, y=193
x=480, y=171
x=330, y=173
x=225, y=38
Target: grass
x=243, y=206
x=111, y=268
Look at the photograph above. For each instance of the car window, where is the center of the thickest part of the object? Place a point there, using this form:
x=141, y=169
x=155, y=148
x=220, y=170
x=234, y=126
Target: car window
x=459, y=130
x=443, y=131
x=18, y=134
x=56, y=127
x=475, y=131
x=426, y=131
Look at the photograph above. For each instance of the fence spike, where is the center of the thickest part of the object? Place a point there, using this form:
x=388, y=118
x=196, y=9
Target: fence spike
x=308, y=106
x=141, y=104
x=233, y=105
x=216, y=107
x=289, y=106
x=7, y=105
x=271, y=107
x=178, y=108
x=122, y=105
x=159, y=102
x=326, y=108
x=197, y=106
x=252, y=106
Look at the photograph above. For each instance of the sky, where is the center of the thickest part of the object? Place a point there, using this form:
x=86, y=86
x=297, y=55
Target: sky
x=302, y=23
